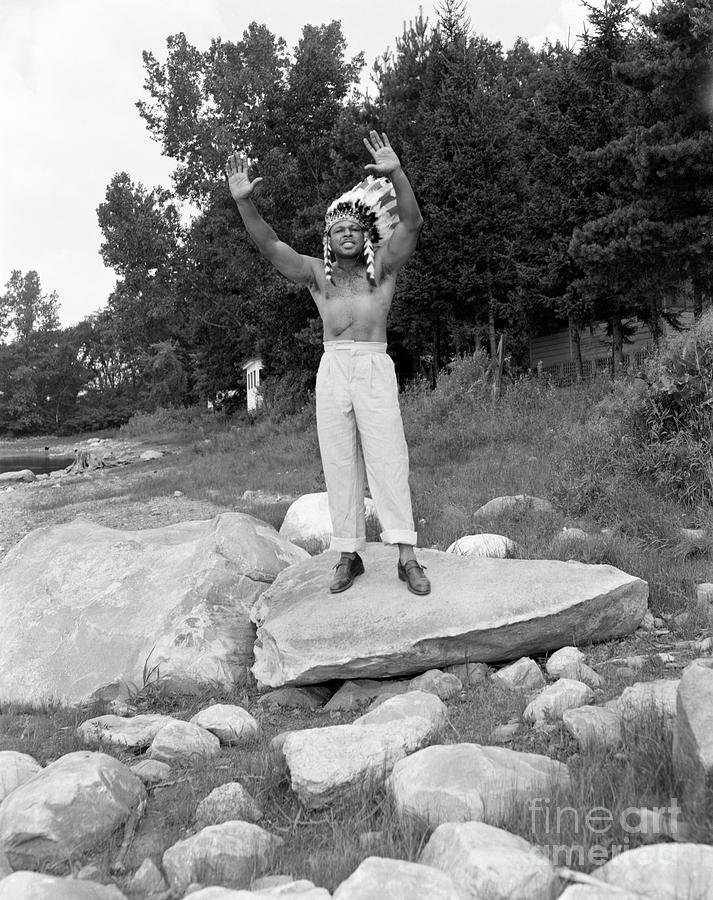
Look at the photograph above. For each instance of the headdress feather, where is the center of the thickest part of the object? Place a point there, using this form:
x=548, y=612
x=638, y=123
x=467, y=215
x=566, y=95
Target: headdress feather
x=371, y=203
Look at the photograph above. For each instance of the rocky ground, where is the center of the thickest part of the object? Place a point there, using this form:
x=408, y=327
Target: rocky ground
x=97, y=495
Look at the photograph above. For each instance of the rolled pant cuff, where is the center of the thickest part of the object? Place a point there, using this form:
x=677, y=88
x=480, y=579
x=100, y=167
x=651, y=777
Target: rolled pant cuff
x=399, y=536
x=347, y=545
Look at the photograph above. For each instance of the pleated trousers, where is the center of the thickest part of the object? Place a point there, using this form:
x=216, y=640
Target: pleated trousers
x=361, y=434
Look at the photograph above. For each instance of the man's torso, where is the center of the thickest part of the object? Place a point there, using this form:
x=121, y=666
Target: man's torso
x=351, y=307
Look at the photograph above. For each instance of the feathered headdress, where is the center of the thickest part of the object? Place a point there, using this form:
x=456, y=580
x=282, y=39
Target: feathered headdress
x=372, y=204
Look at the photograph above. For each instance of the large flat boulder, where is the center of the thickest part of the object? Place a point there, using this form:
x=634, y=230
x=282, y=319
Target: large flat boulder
x=84, y=606
x=479, y=610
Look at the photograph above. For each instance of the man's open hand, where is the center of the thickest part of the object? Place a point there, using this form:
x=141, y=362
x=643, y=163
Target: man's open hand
x=236, y=168
x=385, y=160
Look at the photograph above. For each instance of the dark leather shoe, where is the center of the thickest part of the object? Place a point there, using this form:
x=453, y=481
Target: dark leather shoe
x=412, y=573
x=346, y=570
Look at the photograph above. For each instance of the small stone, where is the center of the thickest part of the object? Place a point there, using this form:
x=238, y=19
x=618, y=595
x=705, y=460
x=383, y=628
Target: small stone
x=522, y=675
x=355, y=693
x=151, y=771
x=554, y=700
x=648, y=623
x=230, y=724
x=181, y=741
x=226, y=803
x=296, y=697
x=469, y=673
x=147, y=879
x=594, y=725
x=436, y=682
x=582, y=672
x=15, y=769
x=503, y=734
x=565, y=656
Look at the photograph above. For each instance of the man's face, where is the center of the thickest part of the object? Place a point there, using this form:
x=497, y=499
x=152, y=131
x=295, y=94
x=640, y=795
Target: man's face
x=347, y=238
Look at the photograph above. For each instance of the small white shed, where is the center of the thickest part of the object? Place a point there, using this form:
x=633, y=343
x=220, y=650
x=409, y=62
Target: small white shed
x=252, y=369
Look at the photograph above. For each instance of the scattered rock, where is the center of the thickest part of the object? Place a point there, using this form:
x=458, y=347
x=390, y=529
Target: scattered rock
x=500, y=505
x=503, y=734
x=468, y=782
x=134, y=733
x=148, y=455
x=550, y=704
x=308, y=524
x=693, y=738
x=15, y=769
x=470, y=673
x=311, y=697
x=230, y=724
x=227, y=803
x=151, y=771
x=147, y=880
x=568, y=538
x=229, y=854
x=21, y=476
x=523, y=675
x=565, y=656
x=175, y=599
x=658, y=696
x=355, y=693
x=414, y=704
x=582, y=672
x=479, y=609
x=490, y=862
x=594, y=726
x=434, y=681
x=181, y=741
x=662, y=871
x=40, y=886
x=494, y=545
x=330, y=763
x=69, y=807
x=379, y=877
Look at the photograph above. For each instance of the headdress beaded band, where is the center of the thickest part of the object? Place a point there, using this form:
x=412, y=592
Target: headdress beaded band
x=372, y=204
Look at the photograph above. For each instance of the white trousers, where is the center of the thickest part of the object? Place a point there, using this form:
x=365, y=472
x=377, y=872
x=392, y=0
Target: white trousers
x=359, y=427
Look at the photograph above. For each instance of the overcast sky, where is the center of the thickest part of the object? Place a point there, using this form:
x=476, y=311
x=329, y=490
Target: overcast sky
x=71, y=72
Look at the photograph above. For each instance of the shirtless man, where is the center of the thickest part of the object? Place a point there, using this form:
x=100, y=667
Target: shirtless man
x=358, y=416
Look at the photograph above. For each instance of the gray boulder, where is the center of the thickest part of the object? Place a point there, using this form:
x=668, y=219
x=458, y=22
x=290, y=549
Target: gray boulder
x=693, y=738
x=67, y=808
x=15, y=769
x=397, y=879
x=22, y=476
x=469, y=782
x=230, y=854
x=41, y=886
x=478, y=610
x=490, y=862
x=174, y=601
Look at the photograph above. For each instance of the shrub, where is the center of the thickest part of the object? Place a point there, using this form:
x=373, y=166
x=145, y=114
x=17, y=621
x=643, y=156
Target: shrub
x=169, y=420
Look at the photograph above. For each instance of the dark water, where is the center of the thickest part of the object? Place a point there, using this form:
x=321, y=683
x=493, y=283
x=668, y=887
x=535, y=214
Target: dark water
x=40, y=463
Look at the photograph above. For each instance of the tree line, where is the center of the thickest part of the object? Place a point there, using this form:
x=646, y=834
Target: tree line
x=560, y=187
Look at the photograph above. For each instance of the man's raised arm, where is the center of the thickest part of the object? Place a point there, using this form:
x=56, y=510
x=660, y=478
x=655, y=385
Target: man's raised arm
x=402, y=243
x=288, y=262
